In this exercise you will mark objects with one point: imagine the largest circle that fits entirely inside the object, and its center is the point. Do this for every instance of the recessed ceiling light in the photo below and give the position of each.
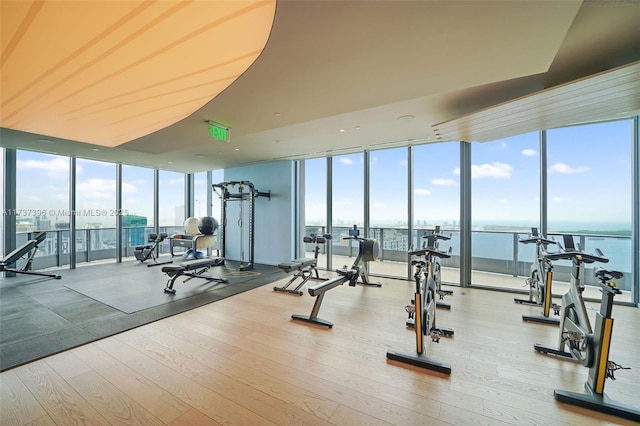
(169, 162)
(341, 130)
(407, 118)
(237, 149)
(357, 127)
(199, 156)
(95, 150)
(277, 114)
(44, 141)
(278, 141)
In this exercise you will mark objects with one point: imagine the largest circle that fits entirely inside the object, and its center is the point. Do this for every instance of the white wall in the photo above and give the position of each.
(273, 226)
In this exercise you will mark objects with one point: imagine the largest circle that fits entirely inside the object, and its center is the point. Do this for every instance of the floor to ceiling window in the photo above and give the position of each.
(347, 206)
(96, 210)
(388, 177)
(589, 193)
(2, 194)
(171, 202)
(436, 198)
(505, 204)
(315, 205)
(42, 204)
(137, 204)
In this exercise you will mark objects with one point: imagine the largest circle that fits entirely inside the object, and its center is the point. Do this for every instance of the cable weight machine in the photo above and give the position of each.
(245, 192)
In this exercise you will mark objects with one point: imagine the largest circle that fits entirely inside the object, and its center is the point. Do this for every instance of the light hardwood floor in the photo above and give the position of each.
(243, 361)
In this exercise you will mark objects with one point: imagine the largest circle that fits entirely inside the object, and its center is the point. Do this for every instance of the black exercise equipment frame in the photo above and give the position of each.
(30, 248)
(591, 349)
(143, 253)
(540, 281)
(423, 312)
(190, 271)
(306, 266)
(250, 196)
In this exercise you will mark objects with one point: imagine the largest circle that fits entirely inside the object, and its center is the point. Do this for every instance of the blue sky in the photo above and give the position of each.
(589, 181)
(585, 164)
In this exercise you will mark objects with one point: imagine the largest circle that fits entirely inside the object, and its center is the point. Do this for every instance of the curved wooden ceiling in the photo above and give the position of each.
(111, 65)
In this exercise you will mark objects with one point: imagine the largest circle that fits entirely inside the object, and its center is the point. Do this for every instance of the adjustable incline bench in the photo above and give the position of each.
(147, 251)
(305, 266)
(192, 270)
(18, 253)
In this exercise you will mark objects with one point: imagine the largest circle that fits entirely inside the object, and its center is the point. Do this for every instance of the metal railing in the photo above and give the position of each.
(498, 252)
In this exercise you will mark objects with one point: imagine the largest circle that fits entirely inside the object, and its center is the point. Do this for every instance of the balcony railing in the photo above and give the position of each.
(495, 252)
(94, 244)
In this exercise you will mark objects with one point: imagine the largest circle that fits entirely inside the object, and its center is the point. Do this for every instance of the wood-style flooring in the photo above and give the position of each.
(243, 361)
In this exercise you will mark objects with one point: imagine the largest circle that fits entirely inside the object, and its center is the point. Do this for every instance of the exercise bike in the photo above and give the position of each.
(587, 346)
(422, 311)
(539, 281)
(434, 268)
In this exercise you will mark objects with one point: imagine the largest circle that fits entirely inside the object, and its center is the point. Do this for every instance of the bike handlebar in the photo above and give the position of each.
(430, 252)
(537, 240)
(577, 255)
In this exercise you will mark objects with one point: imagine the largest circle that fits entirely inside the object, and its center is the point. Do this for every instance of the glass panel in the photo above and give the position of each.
(589, 194)
(2, 194)
(347, 187)
(505, 206)
(96, 215)
(42, 204)
(315, 205)
(137, 202)
(171, 202)
(200, 191)
(388, 210)
(436, 195)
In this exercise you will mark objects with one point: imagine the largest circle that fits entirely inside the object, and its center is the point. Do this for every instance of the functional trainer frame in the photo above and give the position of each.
(250, 195)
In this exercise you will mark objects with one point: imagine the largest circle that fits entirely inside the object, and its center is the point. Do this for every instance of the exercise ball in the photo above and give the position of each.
(191, 226)
(207, 225)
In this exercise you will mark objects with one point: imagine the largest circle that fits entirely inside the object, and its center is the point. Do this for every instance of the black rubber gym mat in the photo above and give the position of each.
(41, 316)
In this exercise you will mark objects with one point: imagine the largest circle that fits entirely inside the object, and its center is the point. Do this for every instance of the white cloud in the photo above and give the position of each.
(494, 170)
(561, 199)
(55, 167)
(346, 161)
(129, 188)
(379, 205)
(96, 188)
(443, 182)
(420, 191)
(563, 168)
(529, 152)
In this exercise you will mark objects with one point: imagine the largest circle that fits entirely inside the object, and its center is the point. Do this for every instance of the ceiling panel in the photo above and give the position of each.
(602, 96)
(106, 72)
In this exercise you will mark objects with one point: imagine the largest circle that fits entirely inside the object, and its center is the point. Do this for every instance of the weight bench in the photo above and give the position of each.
(305, 266)
(318, 292)
(20, 252)
(147, 251)
(191, 270)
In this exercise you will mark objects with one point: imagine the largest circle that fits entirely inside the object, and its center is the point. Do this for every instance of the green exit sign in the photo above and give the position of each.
(219, 132)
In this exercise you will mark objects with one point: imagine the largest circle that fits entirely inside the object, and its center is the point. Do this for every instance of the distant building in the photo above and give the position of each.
(136, 226)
